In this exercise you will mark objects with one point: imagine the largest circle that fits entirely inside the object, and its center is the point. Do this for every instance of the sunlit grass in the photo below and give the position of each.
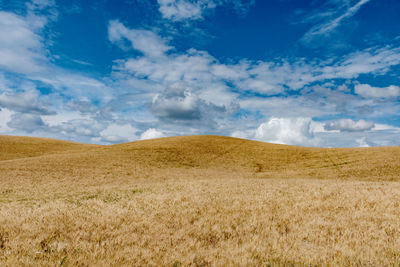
(198, 201)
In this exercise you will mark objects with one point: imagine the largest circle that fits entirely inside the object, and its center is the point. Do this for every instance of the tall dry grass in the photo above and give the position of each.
(198, 201)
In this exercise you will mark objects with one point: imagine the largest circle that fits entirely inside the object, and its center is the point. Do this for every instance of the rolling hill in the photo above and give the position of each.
(225, 154)
(199, 201)
(14, 147)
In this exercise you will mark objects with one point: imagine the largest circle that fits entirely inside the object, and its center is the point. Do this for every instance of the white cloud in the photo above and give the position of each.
(354, 139)
(83, 106)
(201, 71)
(371, 60)
(384, 127)
(21, 49)
(178, 104)
(180, 10)
(75, 127)
(144, 41)
(244, 134)
(190, 67)
(307, 132)
(348, 125)
(40, 4)
(115, 133)
(331, 24)
(5, 117)
(207, 94)
(289, 131)
(367, 90)
(273, 106)
(74, 85)
(192, 92)
(25, 102)
(362, 142)
(293, 131)
(63, 117)
(25, 122)
(151, 134)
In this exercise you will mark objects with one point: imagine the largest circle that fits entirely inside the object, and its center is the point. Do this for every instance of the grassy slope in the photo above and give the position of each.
(14, 147)
(268, 160)
(207, 152)
(197, 200)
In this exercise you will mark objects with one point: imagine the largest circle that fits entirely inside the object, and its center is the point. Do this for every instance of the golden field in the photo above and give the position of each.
(197, 201)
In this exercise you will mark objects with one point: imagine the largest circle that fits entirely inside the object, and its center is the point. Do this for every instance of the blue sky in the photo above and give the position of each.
(312, 73)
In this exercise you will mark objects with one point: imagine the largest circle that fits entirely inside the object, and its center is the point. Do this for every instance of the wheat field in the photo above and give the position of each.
(197, 201)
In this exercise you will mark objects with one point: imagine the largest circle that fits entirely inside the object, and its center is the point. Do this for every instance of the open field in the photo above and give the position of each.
(199, 201)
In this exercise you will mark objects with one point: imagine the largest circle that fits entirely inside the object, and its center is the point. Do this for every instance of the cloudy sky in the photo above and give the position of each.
(313, 73)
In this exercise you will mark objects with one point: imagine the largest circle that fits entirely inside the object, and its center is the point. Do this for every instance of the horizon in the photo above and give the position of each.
(194, 135)
(322, 73)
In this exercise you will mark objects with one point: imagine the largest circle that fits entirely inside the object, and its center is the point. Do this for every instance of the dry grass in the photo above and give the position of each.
(12, 147)
(199, 200)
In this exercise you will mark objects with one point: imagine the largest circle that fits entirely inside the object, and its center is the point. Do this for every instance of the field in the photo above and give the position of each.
(197, 201)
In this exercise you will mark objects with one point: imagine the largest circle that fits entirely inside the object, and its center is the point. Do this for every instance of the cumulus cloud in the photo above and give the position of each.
(362, 142)
(191, 66)
(178, 104)
(367, 90)
(348, 125)
(307, 132)
(190, 92)
(115, 133)
(5, 117)
(25, 102)
(144, 41)
(75, 126)
(201, 70)
(293, 131)
(289, 131)
(263, 77)
(151, 134)
(207, 88)
(27, 123)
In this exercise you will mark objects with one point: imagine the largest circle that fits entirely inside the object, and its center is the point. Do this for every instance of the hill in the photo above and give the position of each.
(218, 153)
(197, 201)
(267, 160)
(14, 147)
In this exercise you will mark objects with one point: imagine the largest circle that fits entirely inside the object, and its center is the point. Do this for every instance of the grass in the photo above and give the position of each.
(197, 201)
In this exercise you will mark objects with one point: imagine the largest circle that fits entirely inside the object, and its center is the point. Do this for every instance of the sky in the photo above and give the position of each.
(322, 73)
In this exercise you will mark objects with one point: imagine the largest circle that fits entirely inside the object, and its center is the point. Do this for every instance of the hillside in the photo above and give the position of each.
(197, 201)
(225, 154)
(14, 147)
(267, 160)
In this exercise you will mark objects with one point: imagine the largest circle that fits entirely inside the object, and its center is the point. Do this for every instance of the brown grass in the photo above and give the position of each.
(197, 200)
